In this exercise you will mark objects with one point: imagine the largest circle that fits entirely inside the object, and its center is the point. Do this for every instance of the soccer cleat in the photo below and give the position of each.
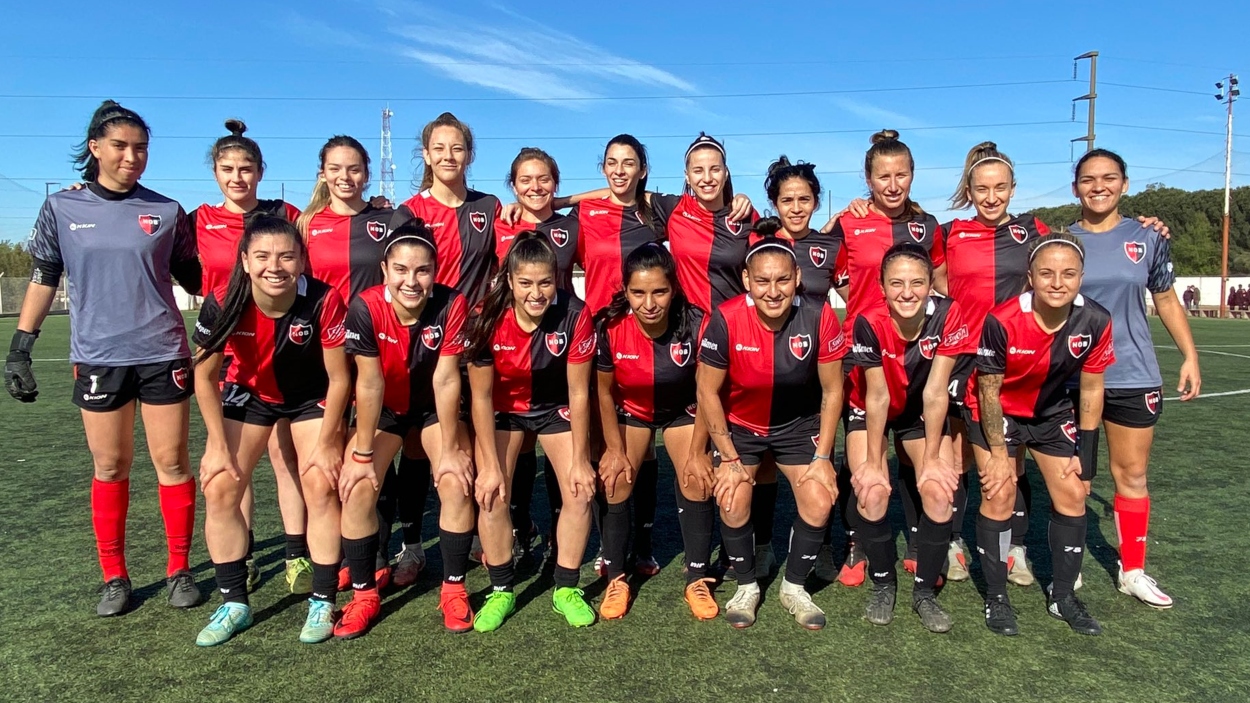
(957, 561)
(114, 598)
(453, 601)
(498, 606)
(853, 569)
(182, 591)
(909, 557)
(647, 566)
(1079, 582)
(601, 569)
(1071, 610)
(228, 620)
(299, 577)
(880, 608)
(523, 545)
(740, 610)
(345, 579)
(359, 615)
(408, 565)
(798, 602)
(253, 575)
(699, 598)
(615, 599)
(825, 569)
(319, 625)
(1145, 589)
(571, 603)
(475, 550)
(931, 615)
(1000, 617)
(765, 560)
(382, 572)
(1019, 571)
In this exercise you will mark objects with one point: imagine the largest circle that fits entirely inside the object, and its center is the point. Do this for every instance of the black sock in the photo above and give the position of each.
(296, 546)
(251, 543)
(646, 498)
(454, 546)
(696, 518)
(740, 545)
(360, 561)
(1067, 548)
(960, 507)
(387, 506)
(804, 543)
(565, 577)
(413, 481)
(615, 536)
(502, 578)
(932, 539)
(554, 501)
(522, 495)
(325, 582)
(877, 540)
(912, 501)
(763, 511)
(993, 541)
(232, 580)
(1020, 513)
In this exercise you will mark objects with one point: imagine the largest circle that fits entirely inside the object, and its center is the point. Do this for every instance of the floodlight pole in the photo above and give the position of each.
(1228, 94)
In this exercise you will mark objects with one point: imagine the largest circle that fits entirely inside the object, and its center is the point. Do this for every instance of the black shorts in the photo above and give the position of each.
(957, 388)
(1130, 407)
(401, 425)
(105, 388)
(1052, 436)
(905, 427)
(241, 405)
(684, 418)
(793, 445)
(550, 422)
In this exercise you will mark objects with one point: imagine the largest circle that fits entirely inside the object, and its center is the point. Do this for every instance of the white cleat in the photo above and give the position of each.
(1145, 589)
(1019, 571)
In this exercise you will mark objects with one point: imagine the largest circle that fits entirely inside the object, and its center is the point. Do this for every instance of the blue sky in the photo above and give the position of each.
(811, 80)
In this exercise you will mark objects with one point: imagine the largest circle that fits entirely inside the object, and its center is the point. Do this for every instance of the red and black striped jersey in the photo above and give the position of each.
(1035, 365)
(653, 379)
(280, 360)
(346, 250)
(531, 368)
(771, 380)
(408, 353)
(561, 230)
(987, 266)
(710, 249)
(464, 237)
(864, 242)
(876, 343)
(607, 234)
(217, 233)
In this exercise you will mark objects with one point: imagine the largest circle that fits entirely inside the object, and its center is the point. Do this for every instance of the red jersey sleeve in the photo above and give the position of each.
(832, 340)
(714, 344)
(292, 213)
(1041, 226)
(333, 317)
(937, 252)
(361, 339)
(865, 346)
(1102, 355)
(457, 313)
(992, 350)
(583, 349)
(956, 339)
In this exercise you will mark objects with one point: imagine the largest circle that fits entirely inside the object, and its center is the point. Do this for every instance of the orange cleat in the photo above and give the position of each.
(699, 598)
(615, 600)
(359, 615)
(453, 600)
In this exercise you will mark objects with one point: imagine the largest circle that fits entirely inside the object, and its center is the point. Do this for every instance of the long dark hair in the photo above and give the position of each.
(239, 291)
(444, 120)
(651, 255)
(109, 114)
(782, 170)
(236, 141)
(531, 153)
(645, 213)
(529, 247)
(412, 233)
(1099, 153)
(907, 250)
(320, 198)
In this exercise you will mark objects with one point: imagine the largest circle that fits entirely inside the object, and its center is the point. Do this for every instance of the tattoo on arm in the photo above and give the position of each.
(988, 388)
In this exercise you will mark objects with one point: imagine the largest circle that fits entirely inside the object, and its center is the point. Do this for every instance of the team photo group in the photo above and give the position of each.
(375, 350)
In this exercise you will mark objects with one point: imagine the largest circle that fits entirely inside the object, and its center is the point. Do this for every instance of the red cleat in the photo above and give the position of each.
(453, 600)
(854, 568)
(359, 615)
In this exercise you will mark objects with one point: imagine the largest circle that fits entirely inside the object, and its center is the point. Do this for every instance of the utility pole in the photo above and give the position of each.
(47, 187)
(1091, 97)
(1227, 95)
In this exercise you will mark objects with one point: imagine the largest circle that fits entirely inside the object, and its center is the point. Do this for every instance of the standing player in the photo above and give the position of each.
(1030, 347)
(284, 333)
(770, 383)
(121, 246)
(531, 346)
(1125, 261)
(406, 337)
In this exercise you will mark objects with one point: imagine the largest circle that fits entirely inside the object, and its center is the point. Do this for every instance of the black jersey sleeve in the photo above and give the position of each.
(664, 205)
(992, 351)
(361, 339)
(1161, 277)
(603, 353)
(865, 347)
(45, 249)
(184, 261)
(714, 347)
(400, 216)
(210, 312)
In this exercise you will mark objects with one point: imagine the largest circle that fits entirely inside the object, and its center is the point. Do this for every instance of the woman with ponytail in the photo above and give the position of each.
(284, 332)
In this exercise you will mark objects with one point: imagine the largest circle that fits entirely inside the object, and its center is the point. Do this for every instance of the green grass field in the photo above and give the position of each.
(53, 647)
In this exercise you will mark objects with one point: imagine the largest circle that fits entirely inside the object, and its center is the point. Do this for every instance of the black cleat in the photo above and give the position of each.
(1000, 617)
(114, 598)
(931, 614)
(1071, 610)
(880, 608)
(182, 591)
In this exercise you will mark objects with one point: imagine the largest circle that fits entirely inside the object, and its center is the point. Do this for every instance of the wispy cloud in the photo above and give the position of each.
(868, 111)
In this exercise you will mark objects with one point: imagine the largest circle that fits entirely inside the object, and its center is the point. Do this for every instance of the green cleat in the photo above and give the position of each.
(498, 606)
(228, 620)
(319, 626)
(299, 576)
(571, 603)
(253, 575)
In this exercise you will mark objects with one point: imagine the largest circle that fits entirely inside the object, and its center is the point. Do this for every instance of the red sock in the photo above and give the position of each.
(109, 502)
(1132, 518)
(178, 510)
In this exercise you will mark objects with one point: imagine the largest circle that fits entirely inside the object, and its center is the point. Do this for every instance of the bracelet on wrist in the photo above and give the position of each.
(816, 457)
(729, 459)
(359, 459)
(357, 452)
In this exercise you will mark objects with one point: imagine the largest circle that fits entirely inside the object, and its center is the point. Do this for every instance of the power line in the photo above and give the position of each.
(1156, 88)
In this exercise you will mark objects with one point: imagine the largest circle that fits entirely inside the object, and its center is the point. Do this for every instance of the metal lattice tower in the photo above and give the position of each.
(387, 168)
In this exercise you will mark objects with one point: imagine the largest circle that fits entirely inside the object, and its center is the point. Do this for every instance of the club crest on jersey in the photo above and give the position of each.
(679, 352)
(1018, 233)
(556, 342)
(376, 230)
(1078, 344)
(917, 230)
(180, 379)
(431, 337)
(1069, 430)
(735, 228)
(299, 334)
(559, 237)
(1153, 398)
(1135, 251)
(149, 224)
(929, 345)
(800, 345)
(565, 414)
(816, 440)
(818, 255)
(478, 220)
(692, 409)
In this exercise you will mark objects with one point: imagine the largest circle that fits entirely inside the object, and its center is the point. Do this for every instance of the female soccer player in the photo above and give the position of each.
(530, 348)
(770, 383)
(1125, 261)
(284, 333)
(647, 343)
(121, 245)
(406, 336)
(1030, 347)
(901, 360)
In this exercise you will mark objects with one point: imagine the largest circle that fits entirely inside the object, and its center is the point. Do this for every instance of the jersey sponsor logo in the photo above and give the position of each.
(596, 213)
(1018, 233)
(862, 349)
(179, 376)
(819, 256)
(315, 232)
(376, 230)
(559, 237)
(1069, 430)
(1153, 398)
(73, 226)
(335, 334)
(1078, 344)
(956, 337)
(1020, 351)
(627, 357)
(211, 228)
(692, 409)
(837, 341)
(586, 346)
(929, 345)
(352, 336)
(432, 336)
(199, 326)
(478, 220)
(709, 344)
(679, 352)
(243, 333)
(744, 348)
(387, 338)
(689, 216)
(800, 345)
(299, 334)
(866, 230)
(503, 347)
(565, 414)
(735, 228)
(149, 224)
(1135, 251)
(917, 230)
(556, 342)
(969, 235)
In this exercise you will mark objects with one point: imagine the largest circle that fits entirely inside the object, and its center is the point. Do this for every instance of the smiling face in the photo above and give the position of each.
(409, 271)
(650, 294)
(623, 169)
(991, 189)
(122, 155)
(890, 182)
(795, 205)
(1099, 186)
(237, 175)
(346, 173)
(772, 279)
(1055, 275)
(534, 185)
(274, 263)
(907, 284)
(447, 155)
(706, 175)
(533, 288)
